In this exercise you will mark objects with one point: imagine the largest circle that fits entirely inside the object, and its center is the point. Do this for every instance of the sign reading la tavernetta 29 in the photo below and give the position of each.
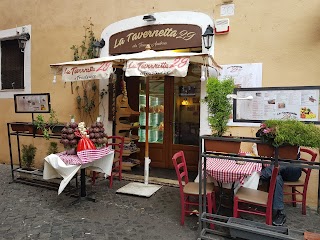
(159, 37)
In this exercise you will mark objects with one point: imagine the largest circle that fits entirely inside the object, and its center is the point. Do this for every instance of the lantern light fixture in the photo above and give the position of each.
(96, 47)
(207, 37)
(149, 18)
(22, 40)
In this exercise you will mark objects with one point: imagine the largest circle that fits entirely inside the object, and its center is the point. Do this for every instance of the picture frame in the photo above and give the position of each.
(32, 103)
(196, 100)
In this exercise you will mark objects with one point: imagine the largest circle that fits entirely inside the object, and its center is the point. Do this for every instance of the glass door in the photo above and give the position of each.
(156, 111)
(186, 113)
(174, 119)
(185, 116)
(157, 152)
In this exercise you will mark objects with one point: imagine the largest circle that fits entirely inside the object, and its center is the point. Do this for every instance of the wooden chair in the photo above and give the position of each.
(301, 183)
(190, 189)
(257, 198)
(117, 143)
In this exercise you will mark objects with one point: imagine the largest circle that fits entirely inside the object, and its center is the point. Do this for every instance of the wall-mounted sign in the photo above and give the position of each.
(160, 37)
(72, 73)
(187, 91)
(171, 67)
(32, 103)
(300, 103)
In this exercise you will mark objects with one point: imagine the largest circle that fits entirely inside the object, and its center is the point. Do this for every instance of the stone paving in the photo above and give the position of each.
(28, 212)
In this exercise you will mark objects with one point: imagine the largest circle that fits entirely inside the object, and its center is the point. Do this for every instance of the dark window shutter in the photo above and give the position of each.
(12, 65)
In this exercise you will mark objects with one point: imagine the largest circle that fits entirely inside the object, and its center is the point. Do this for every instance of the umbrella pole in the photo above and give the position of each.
(146, 154)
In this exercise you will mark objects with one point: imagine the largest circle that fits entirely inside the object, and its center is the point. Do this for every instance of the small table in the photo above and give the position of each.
(58, 165)
(229, 171)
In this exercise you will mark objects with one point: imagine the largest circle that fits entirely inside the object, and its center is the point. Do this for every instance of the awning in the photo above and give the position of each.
(144, 63)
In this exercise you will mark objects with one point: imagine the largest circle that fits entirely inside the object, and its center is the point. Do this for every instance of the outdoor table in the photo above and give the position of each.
(226, 171)
(66, 166)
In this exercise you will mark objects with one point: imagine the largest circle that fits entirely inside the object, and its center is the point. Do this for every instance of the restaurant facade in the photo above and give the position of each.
(287, 45)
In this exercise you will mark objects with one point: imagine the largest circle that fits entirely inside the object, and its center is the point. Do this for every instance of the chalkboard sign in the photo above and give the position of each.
(300, 103)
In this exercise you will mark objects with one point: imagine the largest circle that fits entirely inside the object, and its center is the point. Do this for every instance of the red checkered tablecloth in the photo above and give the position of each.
(228, 171)
(85, 156)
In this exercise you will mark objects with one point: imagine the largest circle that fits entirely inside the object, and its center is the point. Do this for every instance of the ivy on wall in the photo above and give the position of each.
(85, 50)
(87, 99)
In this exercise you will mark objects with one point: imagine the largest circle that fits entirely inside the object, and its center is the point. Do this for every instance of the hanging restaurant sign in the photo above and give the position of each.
(171, 67)
(159, 37)
(72, 73)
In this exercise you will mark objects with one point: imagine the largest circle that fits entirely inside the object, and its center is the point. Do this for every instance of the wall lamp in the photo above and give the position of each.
(96, 47)
(22, 40)
(149, 18)
(208, 37)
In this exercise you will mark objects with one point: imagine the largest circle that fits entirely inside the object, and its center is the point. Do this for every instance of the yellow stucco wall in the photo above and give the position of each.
(283, 35)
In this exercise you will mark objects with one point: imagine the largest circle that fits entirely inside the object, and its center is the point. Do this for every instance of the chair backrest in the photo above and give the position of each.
(117, 144)
(179, 163)
(272, 186)
(313, 156)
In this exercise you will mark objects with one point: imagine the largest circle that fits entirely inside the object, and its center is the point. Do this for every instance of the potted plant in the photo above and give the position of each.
(287, 135)
(41, 126)
(54, 124)
(44, 127)
(219, 109)
(28, 154)
(53, 148)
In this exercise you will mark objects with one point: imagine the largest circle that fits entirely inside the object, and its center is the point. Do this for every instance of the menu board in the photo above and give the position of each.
(300, 103)
(32, 103)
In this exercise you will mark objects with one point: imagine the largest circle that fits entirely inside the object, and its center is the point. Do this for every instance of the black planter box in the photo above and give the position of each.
(57, 128)
(245, 229)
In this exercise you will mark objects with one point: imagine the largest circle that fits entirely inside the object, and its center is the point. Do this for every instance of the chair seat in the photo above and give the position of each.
(252, 195)
(299, 182)
(193, 188)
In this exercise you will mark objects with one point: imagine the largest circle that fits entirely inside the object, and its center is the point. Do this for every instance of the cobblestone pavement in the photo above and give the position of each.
(28, 212)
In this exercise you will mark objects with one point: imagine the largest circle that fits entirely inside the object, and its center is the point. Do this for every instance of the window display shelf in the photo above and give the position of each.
(156, 118)
(125, 126)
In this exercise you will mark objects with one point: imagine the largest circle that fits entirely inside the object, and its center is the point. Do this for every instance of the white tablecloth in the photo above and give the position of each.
(54, 167)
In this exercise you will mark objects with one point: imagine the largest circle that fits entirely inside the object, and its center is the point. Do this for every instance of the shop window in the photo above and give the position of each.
(15, 67)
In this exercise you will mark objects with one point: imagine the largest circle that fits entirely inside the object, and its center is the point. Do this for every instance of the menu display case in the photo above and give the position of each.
(156, 118)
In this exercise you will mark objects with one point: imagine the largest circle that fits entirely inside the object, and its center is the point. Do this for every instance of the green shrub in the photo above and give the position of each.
(292, 132)
(28, 154)
(219, 106)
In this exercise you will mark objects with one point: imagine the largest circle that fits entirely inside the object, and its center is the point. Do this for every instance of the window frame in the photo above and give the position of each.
(11, 34)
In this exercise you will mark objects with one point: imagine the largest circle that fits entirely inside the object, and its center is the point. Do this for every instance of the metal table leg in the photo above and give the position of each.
(83, 192)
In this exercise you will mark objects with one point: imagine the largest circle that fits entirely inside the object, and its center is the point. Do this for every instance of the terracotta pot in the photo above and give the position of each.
(265, 150)
(288, 152)
(222, 146)
(285, 152)
(20, 126)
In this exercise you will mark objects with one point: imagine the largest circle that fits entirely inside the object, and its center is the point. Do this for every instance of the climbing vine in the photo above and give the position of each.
(87, 99)
(85, 49)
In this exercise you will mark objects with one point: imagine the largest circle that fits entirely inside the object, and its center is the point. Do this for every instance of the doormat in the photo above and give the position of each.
(139, 189)
(153, 180)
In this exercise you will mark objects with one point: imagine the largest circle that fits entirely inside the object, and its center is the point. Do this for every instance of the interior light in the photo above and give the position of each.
(185, 102)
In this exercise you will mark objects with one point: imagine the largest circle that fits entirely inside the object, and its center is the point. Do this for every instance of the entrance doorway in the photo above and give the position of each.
(174, 118)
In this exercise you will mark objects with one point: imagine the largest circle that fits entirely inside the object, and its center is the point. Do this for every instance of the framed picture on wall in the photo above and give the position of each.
(32, 103)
